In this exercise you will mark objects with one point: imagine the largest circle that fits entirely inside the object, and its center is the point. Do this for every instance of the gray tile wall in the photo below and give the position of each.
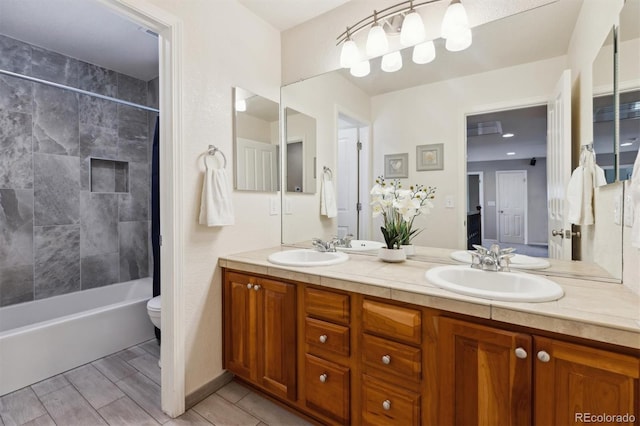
(56, 236)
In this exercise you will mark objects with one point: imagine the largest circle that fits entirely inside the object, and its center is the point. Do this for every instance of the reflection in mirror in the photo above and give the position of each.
(427, 104)
(603, 116)
(507, 180)
(255, 142)
(300, 155)
(629, 86)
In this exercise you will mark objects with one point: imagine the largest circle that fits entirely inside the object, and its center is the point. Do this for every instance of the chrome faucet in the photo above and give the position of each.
(323, 246)
(343, 242)
(492, 259)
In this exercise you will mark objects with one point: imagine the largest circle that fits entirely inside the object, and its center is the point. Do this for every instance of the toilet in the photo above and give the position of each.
(153, 309)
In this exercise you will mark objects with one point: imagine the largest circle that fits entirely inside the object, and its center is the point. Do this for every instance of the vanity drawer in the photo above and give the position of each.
(395, 322)
(327, 387)
(387, 357)
(327, 305)
(326, 336)
(384, 404)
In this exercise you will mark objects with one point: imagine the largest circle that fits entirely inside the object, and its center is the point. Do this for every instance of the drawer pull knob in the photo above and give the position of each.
(323, 377)
(249, 285)
(256, 287)
(544, 356)
(323, 338)
(386, 405)
(521, 353)
(386, 359)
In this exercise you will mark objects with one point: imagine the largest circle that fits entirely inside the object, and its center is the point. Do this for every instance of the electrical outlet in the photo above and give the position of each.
(448, 202)
(617, 213)
(288, 209)
(628, 211)
(274, 206)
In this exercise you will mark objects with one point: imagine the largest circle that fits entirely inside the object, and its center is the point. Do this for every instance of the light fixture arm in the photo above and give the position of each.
(396, 9)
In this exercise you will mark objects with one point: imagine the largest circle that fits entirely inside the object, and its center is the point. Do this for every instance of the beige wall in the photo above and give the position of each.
(211, 66)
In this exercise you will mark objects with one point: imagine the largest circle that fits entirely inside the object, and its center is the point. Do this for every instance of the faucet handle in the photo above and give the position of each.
(507, 251)
(480, 249)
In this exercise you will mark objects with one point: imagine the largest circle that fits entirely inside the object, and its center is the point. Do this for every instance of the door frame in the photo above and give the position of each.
(480, 175)
(525, 213)
(170, 42)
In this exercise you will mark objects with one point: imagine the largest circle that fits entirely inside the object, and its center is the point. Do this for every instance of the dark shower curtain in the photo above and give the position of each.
(155, 213)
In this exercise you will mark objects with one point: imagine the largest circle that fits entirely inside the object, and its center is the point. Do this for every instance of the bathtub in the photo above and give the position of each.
(46, 337)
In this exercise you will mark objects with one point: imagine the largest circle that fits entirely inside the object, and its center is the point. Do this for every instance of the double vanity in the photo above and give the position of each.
(361, 341)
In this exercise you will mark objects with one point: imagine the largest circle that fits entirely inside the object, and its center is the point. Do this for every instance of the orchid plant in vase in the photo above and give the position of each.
(398, 208)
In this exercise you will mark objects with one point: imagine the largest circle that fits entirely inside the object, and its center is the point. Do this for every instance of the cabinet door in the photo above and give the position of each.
(574, 381)
(485, 375)
(239, 324)
(276, 338)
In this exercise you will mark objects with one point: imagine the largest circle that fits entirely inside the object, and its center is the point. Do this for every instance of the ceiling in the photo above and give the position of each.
(85, 30)
(285, 14)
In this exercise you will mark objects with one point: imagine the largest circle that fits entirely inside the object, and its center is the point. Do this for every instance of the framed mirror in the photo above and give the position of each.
(427, 105)
(300, 153)
(256, 142)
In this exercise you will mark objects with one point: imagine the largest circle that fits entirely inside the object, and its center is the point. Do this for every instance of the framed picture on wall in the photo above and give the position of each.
(396, 166)
(430, 157)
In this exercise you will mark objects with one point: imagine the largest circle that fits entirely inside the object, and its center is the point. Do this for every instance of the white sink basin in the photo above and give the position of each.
(518, 261)
(362, 245)
(506, 286)
(307, 257)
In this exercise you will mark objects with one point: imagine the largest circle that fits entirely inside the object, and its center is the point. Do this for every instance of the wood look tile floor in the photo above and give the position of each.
(124, 389)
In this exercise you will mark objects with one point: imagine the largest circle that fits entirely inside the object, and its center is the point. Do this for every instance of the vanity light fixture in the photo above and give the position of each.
(508, 135)
(454, 29)
(377, 43)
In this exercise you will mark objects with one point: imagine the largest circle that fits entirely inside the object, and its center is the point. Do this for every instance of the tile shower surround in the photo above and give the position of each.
(56, 236)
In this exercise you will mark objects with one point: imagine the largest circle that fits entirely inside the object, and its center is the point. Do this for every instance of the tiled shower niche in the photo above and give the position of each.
(60, 230)
(109, 175)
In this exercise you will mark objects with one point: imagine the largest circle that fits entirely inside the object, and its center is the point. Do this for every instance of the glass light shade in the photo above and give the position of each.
(391, 62)
(349, 55)
(241, 105)
(412, 31)
(424, 53)
(454, 17)
(461, 41)
(361, 69)
(377, 43)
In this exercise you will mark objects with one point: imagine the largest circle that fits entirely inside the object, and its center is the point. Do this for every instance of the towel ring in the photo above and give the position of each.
(212, 152)
(327, 170)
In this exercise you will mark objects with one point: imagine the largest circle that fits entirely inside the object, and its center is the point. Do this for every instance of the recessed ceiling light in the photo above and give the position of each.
(626, 144)
(511, 153)
(508, 135)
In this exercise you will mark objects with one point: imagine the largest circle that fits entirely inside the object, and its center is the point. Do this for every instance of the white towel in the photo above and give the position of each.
(587, 176)
(328, 206)
(634, 189)
(216, 208)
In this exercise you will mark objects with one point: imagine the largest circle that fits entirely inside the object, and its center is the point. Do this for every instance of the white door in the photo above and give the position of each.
(512, 206)
(256, 165)
(348, 182)
(559, 166)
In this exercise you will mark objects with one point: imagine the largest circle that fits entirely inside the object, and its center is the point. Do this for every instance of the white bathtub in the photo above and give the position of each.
(46, 337)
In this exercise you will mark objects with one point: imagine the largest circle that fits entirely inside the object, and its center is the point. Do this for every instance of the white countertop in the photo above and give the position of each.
(601, 311)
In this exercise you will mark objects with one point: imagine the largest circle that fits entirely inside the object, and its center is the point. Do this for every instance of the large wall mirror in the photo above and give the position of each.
(256, 142)
(427, 105)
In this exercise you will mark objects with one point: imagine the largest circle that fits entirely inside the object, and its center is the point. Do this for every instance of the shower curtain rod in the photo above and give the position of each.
(73, 89)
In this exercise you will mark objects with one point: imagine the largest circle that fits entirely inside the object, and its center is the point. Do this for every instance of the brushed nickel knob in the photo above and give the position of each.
(323, 338)
(386, 359)
(249, 285)
(386, 405)
(521, 353)
(256, 287)
(323, 377)
(544, 356)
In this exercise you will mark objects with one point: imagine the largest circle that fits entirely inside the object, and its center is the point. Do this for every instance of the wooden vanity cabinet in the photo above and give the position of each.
(260, 332)
(493, 376)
